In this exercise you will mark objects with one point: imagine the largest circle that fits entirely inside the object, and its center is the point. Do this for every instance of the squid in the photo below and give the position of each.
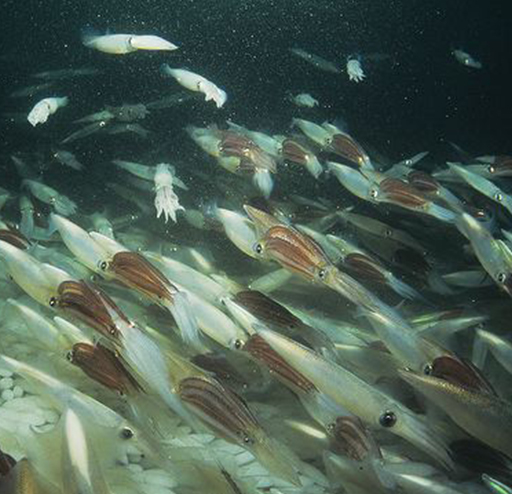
(354, 70)
(102, 224)
(372, 406)
(469, 401)
(483, 185)
(494, 255)
(305, 100)
(40, 281)
(62, 204)
(229, 417)
(112, 260)
(166, 200)
(46, 107)
(378, 188)
(366, 266)
(251, 158)
(318, 62)
(466, 59)
(206, 138)
(347, 147)
(269, 144)
(118, 434)
(198, 83)
(318, 134)
(164, 178)
(68, 159)
(294, 152)
(120, 44)
(27, 216)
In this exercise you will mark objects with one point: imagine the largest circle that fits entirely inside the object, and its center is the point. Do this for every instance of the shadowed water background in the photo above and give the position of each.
(416, 96)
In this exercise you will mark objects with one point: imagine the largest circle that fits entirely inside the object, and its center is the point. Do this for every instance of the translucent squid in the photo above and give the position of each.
(313, 131)
(305, 100)
(62, 204)
(466, 59)
(27, 216)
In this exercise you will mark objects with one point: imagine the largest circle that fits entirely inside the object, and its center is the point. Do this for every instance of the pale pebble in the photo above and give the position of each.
(7, 394)
(18, 391)
(6, 383)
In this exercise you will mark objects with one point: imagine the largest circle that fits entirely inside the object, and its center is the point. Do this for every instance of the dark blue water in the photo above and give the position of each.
(414, 99)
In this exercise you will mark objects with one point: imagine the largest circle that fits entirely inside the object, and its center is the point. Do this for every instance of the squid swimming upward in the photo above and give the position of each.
(164, 178)
(46, 107)
(354, 70)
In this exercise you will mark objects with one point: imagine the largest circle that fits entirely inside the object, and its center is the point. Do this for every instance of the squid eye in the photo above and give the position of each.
(126, 433)
(388, 233)
(502, 277)
(245, 438)
(387, 419)
(70, 356)
(491, 169)
(258, 248)
(322, 273)
(427, 370)
(103, 265)
(374, 193)
(498, 196)
(238, 344)
(52, 302)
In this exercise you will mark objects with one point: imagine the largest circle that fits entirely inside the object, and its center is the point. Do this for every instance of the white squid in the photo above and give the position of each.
(164, 178)
(198, 83)
(46, 107)
(120, 44)
(354, 70)
(166, 200)
(305, 100)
